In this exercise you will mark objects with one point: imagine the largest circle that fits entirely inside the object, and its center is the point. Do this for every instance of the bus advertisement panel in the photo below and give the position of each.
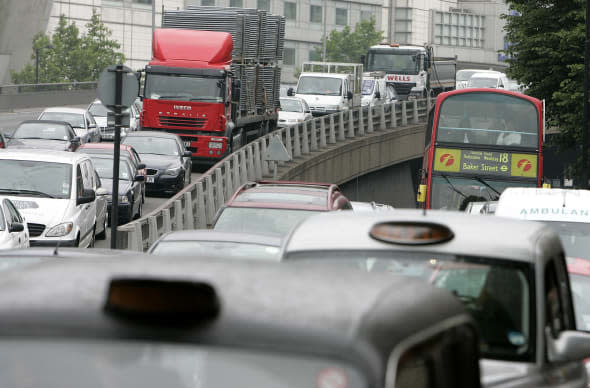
(478, 142)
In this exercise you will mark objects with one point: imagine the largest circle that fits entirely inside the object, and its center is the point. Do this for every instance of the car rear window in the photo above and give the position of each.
(253, 196)
(58, 363)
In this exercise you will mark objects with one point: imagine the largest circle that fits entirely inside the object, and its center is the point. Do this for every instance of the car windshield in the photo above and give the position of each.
(98, 109)
(402, 62)
(44, 131)
(291, 106)
(82, 363)
(217, 249)
(76, 120)
(152, 145)
(452, 193)
(104, 168)
(260, 220)
(495, 292)
(580, 286)
(53, 179)
(464, 75)
(488, 118)
(183, 87)
(368, 86)
(483, 82)
(575, 237)
(323, 86)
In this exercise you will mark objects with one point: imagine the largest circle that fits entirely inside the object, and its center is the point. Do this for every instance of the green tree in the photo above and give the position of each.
(67, 56)
(347, 45)
(547, 55)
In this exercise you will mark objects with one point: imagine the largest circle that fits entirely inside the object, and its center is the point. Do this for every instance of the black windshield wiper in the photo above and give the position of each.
(480, 180)
(24, 192)
(453, 187)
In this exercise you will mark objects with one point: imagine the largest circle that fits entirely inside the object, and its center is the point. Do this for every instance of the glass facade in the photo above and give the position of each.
(458, 29)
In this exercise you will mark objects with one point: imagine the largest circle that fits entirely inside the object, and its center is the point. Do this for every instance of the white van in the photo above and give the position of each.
(54, 191)
(488, 79)
(376, 91)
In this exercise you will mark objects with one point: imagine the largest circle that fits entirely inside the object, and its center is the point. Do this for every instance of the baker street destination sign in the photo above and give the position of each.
(485, 163)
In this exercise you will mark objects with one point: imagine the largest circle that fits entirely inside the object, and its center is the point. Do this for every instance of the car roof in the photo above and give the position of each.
(151, 134)
(214, 235)
(283, 195)
(474, 235)
(566, 205)
(292, 99)
(106, 146)
(45, 156)
(487, 74)
(53, 122)
(324, 75)
(283, 308)
(65, 110)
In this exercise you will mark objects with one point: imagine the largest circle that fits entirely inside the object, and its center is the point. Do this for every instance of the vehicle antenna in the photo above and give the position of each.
(564, 194)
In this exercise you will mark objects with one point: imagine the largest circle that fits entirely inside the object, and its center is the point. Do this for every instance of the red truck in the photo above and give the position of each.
(197, 87)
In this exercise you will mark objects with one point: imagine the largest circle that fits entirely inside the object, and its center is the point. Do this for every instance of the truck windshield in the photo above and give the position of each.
(323, 86)
(394, 62)
(483, 82)
(183, 87)
(496, 292)
(454, 193)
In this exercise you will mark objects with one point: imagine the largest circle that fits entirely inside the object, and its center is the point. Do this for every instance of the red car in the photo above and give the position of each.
(274, 207)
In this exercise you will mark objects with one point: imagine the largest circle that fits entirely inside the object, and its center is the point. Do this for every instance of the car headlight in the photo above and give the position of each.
(123, 199)
(173, 171)
(60, 230)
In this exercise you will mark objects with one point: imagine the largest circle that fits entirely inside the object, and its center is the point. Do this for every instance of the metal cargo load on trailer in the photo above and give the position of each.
(214, 78)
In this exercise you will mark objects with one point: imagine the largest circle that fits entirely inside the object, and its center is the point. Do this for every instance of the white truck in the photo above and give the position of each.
(413, 71)
(376, 91)
(329, 87)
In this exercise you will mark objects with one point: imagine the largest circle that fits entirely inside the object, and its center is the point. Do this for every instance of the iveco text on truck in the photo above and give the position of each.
(214, 78)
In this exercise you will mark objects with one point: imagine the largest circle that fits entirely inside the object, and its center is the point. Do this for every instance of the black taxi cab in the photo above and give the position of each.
(186, 322)
(511, 275)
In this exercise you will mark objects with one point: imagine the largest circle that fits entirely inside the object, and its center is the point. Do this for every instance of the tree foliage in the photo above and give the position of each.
(347, 45)
(68, 56)
(547, 55)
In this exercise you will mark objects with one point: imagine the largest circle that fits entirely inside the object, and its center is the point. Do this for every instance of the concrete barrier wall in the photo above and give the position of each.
(10, 102)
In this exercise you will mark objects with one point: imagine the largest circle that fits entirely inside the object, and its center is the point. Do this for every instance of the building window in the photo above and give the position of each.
(458, 29)
(403, 25)
(315, 13)
(263, 5)
(367, 15)
(341, 16)
(208, 3)
(290, 10)
(236, 3)
(289, 56)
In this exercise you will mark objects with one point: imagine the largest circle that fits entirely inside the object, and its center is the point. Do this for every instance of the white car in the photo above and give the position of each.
(54, 191)
(81, 121)
(13, 227)
(463, 76)
(293, 110)
(494, 80)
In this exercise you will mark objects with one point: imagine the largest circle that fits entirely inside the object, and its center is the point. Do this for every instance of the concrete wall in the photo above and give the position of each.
(394, 185)
(10, 102)
(20, 20)
(358, 157)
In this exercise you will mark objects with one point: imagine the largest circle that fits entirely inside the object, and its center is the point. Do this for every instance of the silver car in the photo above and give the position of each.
(82, 122)
(510, 274)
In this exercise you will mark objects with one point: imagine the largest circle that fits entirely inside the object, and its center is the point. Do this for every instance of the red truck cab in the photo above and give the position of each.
(188, 90)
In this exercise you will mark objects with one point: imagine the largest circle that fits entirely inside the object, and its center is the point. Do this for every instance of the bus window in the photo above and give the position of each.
(488, 119)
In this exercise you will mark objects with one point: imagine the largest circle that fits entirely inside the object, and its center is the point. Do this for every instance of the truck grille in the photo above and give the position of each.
(35, 230)
(173, 121)
(403, 88)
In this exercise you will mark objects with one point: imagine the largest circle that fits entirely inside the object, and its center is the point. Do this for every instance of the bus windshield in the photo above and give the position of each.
(488, 119)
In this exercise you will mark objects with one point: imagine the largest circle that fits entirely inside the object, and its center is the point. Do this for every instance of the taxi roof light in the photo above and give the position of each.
(411, 233)
(155, 299)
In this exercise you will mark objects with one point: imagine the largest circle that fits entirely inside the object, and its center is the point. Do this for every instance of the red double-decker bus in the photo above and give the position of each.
(478, 142)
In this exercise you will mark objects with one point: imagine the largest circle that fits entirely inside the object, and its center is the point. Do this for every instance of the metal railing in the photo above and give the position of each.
(51, 87)
(196, 205)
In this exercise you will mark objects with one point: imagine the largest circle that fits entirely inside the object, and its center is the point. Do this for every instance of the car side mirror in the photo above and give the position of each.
(571, 345)
(141, 166)
(16, 227)
(76, 139)
(101, 192)
(290, 92)
(139, 178)
(88, 195)
(349, 95)
(236, 87)
(378, 95)
(188, 154)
